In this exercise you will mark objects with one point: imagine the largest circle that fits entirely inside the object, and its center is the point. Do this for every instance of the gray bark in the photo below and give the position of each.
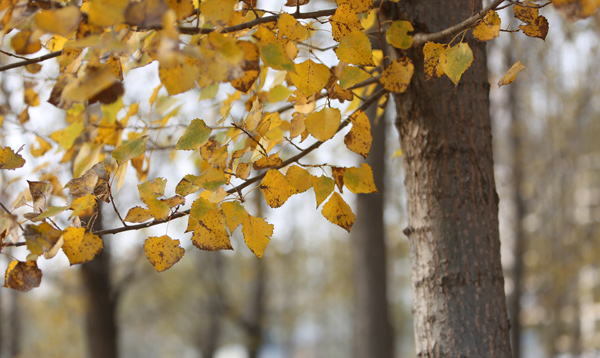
(459, 304)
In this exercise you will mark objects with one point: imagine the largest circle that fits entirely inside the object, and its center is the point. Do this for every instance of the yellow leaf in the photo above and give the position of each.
(397, 34)
(210, 233)
(58, 21)
(243, 170)
(257, 234)
(249, 69)
(163, 252)
(26, 42)
(235, 213)
(138, 215)
(300, 178)
(178, 74)
(44, 147)
(358, 6)
(274, 55)
(511, 74)
(359, 138)
(537, 28)
(149, 193)
(255, 115)
(217, 12)
(41, 239)
(344, 21)
(352, 75)
(290, 28)
(432, 52)
(323, 124)
(82, 204)
(456, 60)
(22, 276)
(276, 188)
(338, 177)
(81, 246)
(576, 9)
(488, 28)
(355, 49)
(396, 77)
(338, 212)
(360, 180)
(526, 14)
(183, 8)
(271, 161)
(94, 80)
(9, 159)
(129, 150)
(66, 137)
(323, 187)
(31, 97)
(107, 12)
(310, 77)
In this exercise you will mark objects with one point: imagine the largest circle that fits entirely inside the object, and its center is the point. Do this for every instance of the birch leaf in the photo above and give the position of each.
(337, 211)
(163, 252)
(257, 234)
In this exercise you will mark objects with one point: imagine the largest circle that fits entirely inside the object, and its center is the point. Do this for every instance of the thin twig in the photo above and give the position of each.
(31, 60)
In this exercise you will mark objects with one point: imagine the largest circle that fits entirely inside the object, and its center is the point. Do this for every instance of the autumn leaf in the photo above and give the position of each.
(149, 192)
(488, 28)
(217, 12)
(66, 137)
(107, 12)
(26, 42)
(290, 28)
(31, 98)
(310, 77)
(432, 52)
(538, 28)
(40, 191)
(511, 74)
(195, 136)
(396, 77)
(344, 22)
(59, 21)
(299, 178)
(163, 252)
(338, 177)
(81, 246)
(337, 211)
(358, 6)
(323, 125)
(323, 188)
(576, 9)
(129, 150)
(276, 188)
(526, 14)
(44, 147)
(178, 74)
(456, 60)
(210, 233)
(82, 204)
(257, 234)
(10, 160)
(352, 75)
(271, 161)
(249, 68)
(235, 213)
(138, 215)
(355, 49)
(274, 55)
(359, 138)
(41, 239)
(360, 180)
(22, 276)
(397, 35)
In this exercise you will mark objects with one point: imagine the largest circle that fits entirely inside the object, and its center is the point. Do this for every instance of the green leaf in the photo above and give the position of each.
(132, 149)
(195, 136)
(397, 34)
(456, 60)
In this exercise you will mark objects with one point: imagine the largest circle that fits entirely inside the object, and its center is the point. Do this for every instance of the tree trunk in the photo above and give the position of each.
(213, 327)
(373, 333)
(459, 305)
(101, 323)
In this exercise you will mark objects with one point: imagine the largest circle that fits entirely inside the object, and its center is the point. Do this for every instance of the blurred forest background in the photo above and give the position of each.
(302, 299)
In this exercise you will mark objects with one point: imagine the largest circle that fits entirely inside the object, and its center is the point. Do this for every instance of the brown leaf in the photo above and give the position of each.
(22, 276)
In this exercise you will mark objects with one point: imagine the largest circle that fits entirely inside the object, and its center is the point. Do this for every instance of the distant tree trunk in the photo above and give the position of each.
(254, 317)
(373, 332)
(514, 302)
(101, 323)
(459, 306)
(209, 340)
(15, 324)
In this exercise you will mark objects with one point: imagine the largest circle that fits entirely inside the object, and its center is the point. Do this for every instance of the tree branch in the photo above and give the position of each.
(30, 61)
(420, 38)
(366, 104)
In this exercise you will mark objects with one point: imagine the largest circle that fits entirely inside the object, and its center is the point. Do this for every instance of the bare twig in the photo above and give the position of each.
(31, 60)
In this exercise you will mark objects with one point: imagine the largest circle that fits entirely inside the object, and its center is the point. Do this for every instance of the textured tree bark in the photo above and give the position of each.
(373, 332)
(101, 323)
(459, 305)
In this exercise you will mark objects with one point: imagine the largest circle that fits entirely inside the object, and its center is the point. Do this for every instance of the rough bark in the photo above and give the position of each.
(101, 322)
(373, 332)
(459, 305)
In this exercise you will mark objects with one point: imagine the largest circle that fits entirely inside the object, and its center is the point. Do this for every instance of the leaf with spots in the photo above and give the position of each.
(163, 252)
(359, 138)
(210, 233)
(81, 246)
(310, 77)
(397, 35)
(22, 275)
(355, 49)
(276, 188)
(337, 211)
(396, 77)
